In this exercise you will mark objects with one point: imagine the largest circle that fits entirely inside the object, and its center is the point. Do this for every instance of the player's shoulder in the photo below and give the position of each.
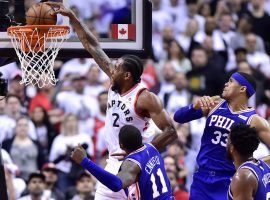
(148, 98)
(244, 176)
(259, 122)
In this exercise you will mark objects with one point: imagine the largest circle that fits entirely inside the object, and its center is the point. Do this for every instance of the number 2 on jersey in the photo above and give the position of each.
(115, 121)
(154, 185)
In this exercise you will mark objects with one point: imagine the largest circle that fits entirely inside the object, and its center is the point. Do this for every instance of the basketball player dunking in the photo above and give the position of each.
(129, 102)
(211, 181)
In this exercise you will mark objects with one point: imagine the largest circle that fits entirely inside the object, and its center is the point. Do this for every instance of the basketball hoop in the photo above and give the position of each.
(37, 47)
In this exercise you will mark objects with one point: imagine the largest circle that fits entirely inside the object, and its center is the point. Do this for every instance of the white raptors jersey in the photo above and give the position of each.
(121, 111)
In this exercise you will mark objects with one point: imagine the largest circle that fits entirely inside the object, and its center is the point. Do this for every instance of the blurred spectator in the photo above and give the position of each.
(214, 58)
(7, 124)
(180, 96)
(178, 58)
(222, 7)
(42, 98)
(204, 79)
(84, 187)
(62, 146)
(94, 85)
(190, 38)
(161, 42)
(8, 70)
(36, 187)
(75, 101)
(44, 129)
(260, 21)
(196, 130)
(16, 88)
(176, 8)
(15, 186)
(14, 111)
(192, 14)
(75, 65)
(223, 36)
(25, 152)
(50, 172)
(160, 18)
(178, 192)
(176, 151)
(204, 9)
(244, 26)
(149, 76)
(210, 25)
(167, 74)
(99, 122)
(257, 59)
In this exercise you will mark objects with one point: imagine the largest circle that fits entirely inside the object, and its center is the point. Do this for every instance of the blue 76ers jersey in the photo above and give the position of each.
(262, 172)
(212, 155)
(153, 181)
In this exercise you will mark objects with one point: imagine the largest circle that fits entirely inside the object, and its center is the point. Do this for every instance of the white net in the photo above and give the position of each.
(37, 48)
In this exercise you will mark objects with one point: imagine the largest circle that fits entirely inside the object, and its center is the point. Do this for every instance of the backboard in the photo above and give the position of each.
(111, 19)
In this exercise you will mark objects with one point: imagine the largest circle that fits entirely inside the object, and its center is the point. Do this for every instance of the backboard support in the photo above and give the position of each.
(141, 17)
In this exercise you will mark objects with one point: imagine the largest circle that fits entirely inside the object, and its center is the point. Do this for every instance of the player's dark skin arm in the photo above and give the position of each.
(129, 173)
(149, 105)
(263, 129)
(243, 185)
(88, 40)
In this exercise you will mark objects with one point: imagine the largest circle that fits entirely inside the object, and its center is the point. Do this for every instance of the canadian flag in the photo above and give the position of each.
(123, 31)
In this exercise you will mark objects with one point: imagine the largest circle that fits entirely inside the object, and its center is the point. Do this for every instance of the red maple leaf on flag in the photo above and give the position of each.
(122, 31)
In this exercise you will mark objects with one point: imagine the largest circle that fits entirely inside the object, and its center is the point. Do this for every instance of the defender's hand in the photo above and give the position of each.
(78, 154)
(206, 102)
(59, 8)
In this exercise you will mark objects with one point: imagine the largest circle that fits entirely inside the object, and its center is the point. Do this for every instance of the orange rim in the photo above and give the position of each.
(55, 30)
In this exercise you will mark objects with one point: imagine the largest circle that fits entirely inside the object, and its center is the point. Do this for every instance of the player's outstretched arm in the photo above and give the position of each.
(88, 40)
(201, 107)
(243, 185)
(149, 104)
(262, 126)
(126, 177)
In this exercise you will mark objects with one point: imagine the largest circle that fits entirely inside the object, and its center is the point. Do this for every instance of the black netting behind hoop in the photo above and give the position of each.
(37, 52)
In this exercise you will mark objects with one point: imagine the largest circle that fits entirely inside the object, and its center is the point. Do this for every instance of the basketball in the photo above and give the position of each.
(40, 14)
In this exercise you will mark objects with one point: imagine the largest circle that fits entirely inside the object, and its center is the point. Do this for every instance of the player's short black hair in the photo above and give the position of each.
(250, 79)
(130, 137)
(134, 65)
(244, 138)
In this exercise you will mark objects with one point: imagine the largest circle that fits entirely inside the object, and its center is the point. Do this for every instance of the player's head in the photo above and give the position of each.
(239, 84)
(242, 140)
(130, 138)
(128, 69)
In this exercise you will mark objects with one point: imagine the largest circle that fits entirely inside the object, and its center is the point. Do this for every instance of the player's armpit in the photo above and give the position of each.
(129, 173)
(151, 104)
(243, 185)
(263, 129)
